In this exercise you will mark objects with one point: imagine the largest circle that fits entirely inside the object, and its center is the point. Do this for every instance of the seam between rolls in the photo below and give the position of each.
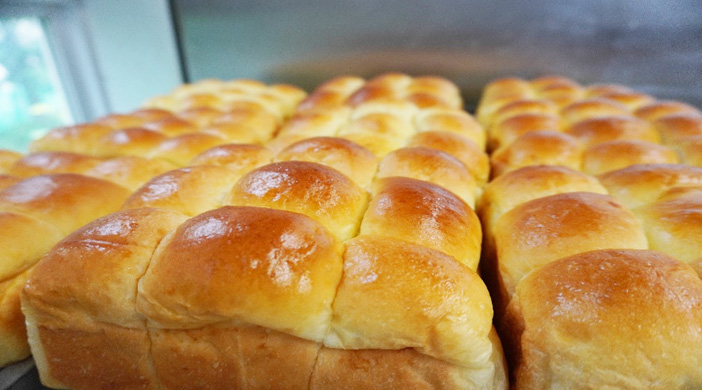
(149, 357)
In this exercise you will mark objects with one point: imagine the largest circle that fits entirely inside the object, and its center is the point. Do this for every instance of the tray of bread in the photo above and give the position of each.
(369, 234)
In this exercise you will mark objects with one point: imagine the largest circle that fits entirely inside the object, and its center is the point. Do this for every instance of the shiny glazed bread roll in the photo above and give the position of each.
(34, 215)
(191, 190)
(42, 163)
(239, 158)
(81, 138)
(7, 158)
(690, 150)
(607, 319)
(609, 128)
(433, 166)
(349, 158)
(676, 127)
(546, 229)
(420, 212)
(538, 148)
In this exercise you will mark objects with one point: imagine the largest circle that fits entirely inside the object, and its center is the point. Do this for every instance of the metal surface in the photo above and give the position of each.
(653, 46)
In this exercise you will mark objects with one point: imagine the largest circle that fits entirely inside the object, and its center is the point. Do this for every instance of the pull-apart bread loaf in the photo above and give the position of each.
(341, 252)
(595, 279)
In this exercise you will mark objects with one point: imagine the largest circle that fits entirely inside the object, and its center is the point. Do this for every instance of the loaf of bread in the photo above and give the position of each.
(595, 280)
(339, 249)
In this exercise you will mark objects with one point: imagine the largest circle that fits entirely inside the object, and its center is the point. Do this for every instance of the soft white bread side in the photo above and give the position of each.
(607, 319)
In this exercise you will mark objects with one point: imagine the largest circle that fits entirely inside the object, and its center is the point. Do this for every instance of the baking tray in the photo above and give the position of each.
(20, 376)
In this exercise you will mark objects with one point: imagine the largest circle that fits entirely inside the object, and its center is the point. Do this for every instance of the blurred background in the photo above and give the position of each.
(71, 61)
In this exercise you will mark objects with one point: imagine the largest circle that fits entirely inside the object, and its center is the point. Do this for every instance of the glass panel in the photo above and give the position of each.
(32, 100)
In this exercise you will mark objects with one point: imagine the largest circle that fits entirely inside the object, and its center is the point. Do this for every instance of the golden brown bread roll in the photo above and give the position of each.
(525, 106)
(581, 110)
(609, 128)
(538, 148)
(458, 146)
(546, 229)
(42, 163)
(171, 126)
(673, 225)
(8, 180)
(631, 99)
(503, 133)
(190, 190)
(384, 277)
(34, 215)
(499, 93)
(182, 149)
(349, 158)
(641, 184)
(613, 155)
(454, 121)
(322, 193)
(675, 127)
(133, 141)
(524, 184)
(433, 166)
(81, 302)
(420, 212)
(130, 172)
(661, 108)
(239, 158)
(81, 138)
(607, 319)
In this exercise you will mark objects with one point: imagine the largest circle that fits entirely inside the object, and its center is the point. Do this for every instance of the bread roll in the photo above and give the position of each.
(591, 108)
(526, 106)
(433, 166)
(607, 319)
(661, 108)
(182, 149)
(538, 148)
(239, 158)
(42, 163)
(80, 303)
(641, 184)
(322, 193)
(453, 121)
(458, 146)
(609, 128)
(675, 127)
(673, 225)
(613, 155)
(34, 215)
(546, 229)
(191, 190)
(82, 138)
(349, 158)
(130, 172)
(503, 133)
(425, 214)
(172, 126)
(133, 141)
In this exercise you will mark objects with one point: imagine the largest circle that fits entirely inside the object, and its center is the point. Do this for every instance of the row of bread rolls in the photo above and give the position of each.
(320, 259)
(593, 277)
(595, 129)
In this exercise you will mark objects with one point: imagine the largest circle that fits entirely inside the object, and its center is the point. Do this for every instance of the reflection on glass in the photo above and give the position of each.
(31, 98)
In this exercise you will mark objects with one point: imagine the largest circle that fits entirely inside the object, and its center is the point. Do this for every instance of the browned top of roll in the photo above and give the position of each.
(424, 214)
(546, 229)
(642, 184)
(320, 192)
(614, 318)
(66, 200)
(245, 265)
(42, 163)
(613, 155)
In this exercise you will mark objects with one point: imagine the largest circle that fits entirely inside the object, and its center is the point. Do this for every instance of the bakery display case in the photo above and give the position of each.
(370, 195)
